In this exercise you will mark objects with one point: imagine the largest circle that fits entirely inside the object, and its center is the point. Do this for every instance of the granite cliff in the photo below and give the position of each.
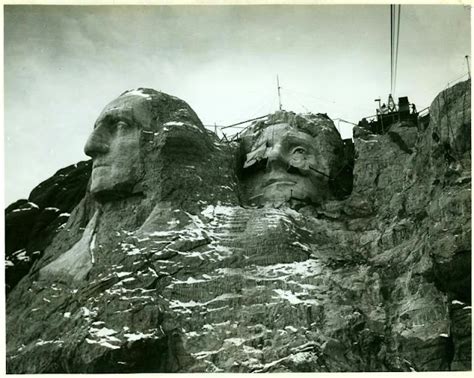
(278, 252)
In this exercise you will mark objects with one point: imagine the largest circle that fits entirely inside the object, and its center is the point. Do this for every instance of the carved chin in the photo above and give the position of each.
(283, 191)
(108, 188)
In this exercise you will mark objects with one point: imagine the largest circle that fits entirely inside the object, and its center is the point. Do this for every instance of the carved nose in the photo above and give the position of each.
(97, 144)
(276, 158)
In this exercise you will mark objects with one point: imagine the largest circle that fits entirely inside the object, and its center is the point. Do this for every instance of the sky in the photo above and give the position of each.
(63, 64)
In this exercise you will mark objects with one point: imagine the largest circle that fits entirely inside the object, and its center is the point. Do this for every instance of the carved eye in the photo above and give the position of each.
(299, 150)
(121, 125)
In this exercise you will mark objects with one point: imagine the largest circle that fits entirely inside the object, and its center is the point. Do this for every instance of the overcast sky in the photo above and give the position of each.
(63, 64)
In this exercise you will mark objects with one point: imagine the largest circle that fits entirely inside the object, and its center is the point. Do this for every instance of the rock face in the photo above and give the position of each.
(31, 224)
(187, 276)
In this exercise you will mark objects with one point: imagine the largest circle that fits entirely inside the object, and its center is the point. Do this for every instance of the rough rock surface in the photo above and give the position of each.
(378, 281)
(31, 224)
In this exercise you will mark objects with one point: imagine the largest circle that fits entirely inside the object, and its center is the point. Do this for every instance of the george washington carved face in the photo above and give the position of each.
(135, 140)
(114, 146)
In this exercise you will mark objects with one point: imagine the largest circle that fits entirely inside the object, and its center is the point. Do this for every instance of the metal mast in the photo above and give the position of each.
(279, 94)
(468, 66)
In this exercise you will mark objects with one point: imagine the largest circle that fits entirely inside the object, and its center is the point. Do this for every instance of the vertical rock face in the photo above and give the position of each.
(185, 275)
(419, 183)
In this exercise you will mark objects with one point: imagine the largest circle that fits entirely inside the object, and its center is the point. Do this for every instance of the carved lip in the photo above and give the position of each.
(281, 180)
(98, 165)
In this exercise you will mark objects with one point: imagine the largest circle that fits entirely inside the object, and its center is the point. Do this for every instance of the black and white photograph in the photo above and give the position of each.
(237, 188)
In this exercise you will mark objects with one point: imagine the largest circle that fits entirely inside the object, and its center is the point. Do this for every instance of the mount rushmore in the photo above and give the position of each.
(285, 249)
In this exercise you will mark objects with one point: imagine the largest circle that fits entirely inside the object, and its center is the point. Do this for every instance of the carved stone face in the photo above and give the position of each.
(285, 163)
(114, 146)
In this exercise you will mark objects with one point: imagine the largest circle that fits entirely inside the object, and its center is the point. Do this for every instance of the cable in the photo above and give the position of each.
(263, 108)
(394, 43)
(460, 77)
(396, 51)
(391, 47)
(308, 95)
(298, 101)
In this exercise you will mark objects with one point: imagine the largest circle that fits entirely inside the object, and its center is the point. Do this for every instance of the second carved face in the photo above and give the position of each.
(286, 163)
